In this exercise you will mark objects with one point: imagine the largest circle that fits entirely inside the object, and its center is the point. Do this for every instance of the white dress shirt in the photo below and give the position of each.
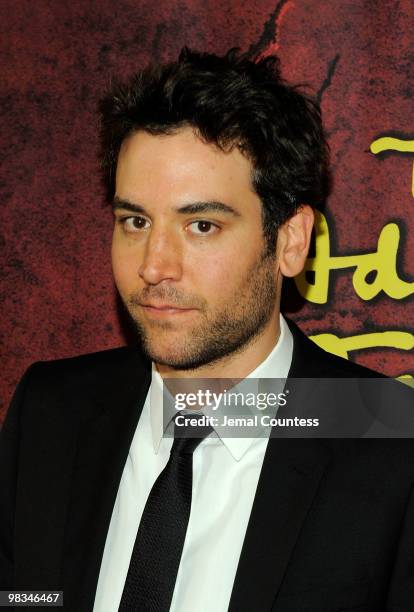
(225, 476)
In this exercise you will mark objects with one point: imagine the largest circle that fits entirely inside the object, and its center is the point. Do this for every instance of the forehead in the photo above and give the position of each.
(180, 166)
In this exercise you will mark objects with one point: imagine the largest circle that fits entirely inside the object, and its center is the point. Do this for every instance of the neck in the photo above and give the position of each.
(237, 365)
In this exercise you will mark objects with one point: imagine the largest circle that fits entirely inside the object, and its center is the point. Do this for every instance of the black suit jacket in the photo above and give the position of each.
(331, 528)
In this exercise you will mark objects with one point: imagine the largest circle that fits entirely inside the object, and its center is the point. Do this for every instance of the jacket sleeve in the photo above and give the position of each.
(9, 460)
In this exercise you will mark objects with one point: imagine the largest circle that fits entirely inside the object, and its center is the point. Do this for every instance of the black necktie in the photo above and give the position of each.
(155, 559)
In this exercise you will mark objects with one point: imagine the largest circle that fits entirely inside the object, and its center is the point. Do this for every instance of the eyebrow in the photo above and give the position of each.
(211, 206)
(126, 205)
(187, 209)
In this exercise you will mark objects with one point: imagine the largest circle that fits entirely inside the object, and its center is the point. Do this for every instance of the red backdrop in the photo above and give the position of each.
(57, 58)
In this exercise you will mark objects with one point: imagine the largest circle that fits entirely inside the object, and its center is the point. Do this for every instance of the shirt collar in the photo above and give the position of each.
(276, 365)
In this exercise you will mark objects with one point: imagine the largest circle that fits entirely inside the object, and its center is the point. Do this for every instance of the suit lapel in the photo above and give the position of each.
(291, 472)
(102, 449)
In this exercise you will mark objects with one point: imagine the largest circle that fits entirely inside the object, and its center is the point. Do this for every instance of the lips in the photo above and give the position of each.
(164, 307)
(163, 311)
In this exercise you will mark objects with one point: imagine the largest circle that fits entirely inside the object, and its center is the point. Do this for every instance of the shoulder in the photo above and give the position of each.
(76, 385)
(83, 367)
(310, 360)
(360, 404)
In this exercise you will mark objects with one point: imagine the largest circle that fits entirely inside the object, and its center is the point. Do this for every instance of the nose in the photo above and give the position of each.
(162, 258)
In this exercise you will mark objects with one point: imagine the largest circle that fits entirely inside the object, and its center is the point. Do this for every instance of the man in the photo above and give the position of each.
(215, 166)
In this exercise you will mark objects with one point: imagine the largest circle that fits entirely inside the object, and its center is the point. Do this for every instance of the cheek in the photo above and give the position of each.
(218, 276)
(124, 267)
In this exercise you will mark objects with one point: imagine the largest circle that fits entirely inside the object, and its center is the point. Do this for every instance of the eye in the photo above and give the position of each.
(203, 228)
(134, 224)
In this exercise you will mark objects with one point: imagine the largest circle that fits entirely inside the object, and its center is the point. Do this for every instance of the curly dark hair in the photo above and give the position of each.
(230, 100)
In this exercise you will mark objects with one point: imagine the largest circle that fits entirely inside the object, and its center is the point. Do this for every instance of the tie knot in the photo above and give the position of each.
(189, 432)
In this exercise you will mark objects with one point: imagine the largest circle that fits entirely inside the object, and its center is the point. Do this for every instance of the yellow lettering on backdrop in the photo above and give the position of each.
(380, 266)
(388, 143)
(342, 346)
(382, 263)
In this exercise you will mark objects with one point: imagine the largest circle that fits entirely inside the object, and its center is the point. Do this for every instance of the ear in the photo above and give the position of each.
(293, 241)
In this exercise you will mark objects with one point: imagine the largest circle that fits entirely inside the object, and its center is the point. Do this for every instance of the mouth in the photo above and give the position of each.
(163, 310)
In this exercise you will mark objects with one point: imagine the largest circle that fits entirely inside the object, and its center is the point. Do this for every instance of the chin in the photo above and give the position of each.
(165, 354)
(173, 357)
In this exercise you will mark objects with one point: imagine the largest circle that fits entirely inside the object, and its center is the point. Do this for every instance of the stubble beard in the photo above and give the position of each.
(222, 333)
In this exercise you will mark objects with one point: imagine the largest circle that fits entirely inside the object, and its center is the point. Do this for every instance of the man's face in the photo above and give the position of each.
(188, 249)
